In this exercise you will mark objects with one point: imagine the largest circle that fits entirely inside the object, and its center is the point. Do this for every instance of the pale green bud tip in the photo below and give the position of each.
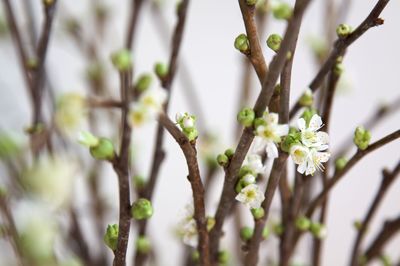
(142, 209)
(104, 150)
(88, 139)
(303, 223)
(32, 63)
(361, 138)
(274, 42)
(246, 233)
(340, 163)
(95, 71)
(143, 82)
(122, 60)
(318, 230)
(161, 70)
(229, 153)
(251, 2)
(357, 225)
(111, 236)
(258, 213)
(386, 260)
(307, 98)
(3, 191)
(343, 30)
(246, 117)
(222, 160)
(223, 257)
(282, 11)
(143, 245)
(242, 43)
(9, 145)
(338, 69)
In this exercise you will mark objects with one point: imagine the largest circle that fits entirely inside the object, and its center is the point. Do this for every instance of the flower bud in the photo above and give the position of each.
(361, 138)
(246, 233)
(251, 2)
(222, 160)
(95, 72)
(210, 223)
(282, 11)
(48, 3)
(242, 43)
(3, 192)
(308, 114)
(340, 163)
(318, 230)
(223, 257)
(246, 117)
(195, 256)
(258, 213)
(9, 145)
(274, 42)
(245, 170)
(265, 232)
(111, 236)
(307, 98)
(143, 82)
(104, 150)
(142, 209)
(357, 225)
(161, 70)
(249, 179)
(278, 229)
(88, 139)
(122, 60)
(290, 140)
(229, 153)
(343, 30)
(303, 223)
(191, 133)
(259, 121)
(338, 69)
(32, 63)
(143, 244)
(385, 260)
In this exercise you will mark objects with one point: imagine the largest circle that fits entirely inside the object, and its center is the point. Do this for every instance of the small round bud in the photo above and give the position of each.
(222, 160)
(251, 2)
(249, 179)
(246, 233)
(139, 182)
(223, 257)
(246, 117)
(361, 138)
(282, 11)
(195, 256)
(338, 69)
(357, 225)
(385, 260)
(142, 209)
(111, 236)
(245, 170)
(32, 63)
(229, 153)
(259, 121)
(278, 229)
(95, 72)
(143, 82)
(104, 150)
(303, 223)
(143, 245)
(191, 133)
(291, 139)
(122, 60)
(318, 230)
(258, 213)
(307, 99)
(265, 232)
(242, 43)
(343, 30)
(274, 42)
(161, 70)
(340, 163)
(48, 3)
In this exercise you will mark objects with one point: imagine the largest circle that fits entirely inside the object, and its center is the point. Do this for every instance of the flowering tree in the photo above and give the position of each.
(39, 214)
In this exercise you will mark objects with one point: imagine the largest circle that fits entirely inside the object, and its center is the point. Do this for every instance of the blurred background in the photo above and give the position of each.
(215, 70)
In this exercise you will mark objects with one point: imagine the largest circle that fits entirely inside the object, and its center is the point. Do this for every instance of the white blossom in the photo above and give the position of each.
(251, 196)
(310, 136)
(254, 162)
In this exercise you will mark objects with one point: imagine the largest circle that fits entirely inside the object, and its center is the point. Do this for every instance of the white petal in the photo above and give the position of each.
(301, 123)
(179, 116)
(315, 123)
(322, 137)
(249, 179)
(299, 153)
(260, 130)
(272, 150)
(282, 130)
(323, 156)
(302, 167)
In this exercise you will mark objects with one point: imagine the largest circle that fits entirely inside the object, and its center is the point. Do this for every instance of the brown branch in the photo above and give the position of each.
(99, 103)
(255, 55)
(387, 180)
(389, 230)
(189, 150)
(276, 66)
(340, 47)
(133, 19)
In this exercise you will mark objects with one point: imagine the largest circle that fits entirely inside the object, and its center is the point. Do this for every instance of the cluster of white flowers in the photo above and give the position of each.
(148, 106)
(310, 151)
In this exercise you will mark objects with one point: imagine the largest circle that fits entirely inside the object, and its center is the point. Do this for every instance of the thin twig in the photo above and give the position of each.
(133, 20)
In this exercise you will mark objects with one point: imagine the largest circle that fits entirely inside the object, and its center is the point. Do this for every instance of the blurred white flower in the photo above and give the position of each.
(71, 112)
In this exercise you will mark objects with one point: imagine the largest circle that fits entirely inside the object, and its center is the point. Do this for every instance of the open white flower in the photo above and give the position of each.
(154, 99)
(254, 163)
(310, 161)
(251, 196)
(271, 133)
(310, 136)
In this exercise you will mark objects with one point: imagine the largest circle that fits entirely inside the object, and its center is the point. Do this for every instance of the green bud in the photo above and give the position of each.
(340, 163)
(32, 63)
(104, 150)
(3, 191)
(139, 182)
(242, 43)
(95, 71)
(246, 117)
(222, 160)
(191, 133)
(229, 153)
(122, 60)
(246, 233)
(343, 30)
(385, 260)
(338, 69)
(142, 209)
(143, 245)
(282, 11)
(278, 229)
(308, 114)
(210, 223)
(195, 256)
(265, 232)
(357, 225)
(251, 2)
(161, 70)
(361, 138)
(111, 236)
(9, 145)
(223, 257)
(318, 230)
(307, 99)
(143, 82)
(274, 42)
(303, 223)
(259, 121)
(258, 213)
(291, 139)
(48, 3)
(244, 170)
